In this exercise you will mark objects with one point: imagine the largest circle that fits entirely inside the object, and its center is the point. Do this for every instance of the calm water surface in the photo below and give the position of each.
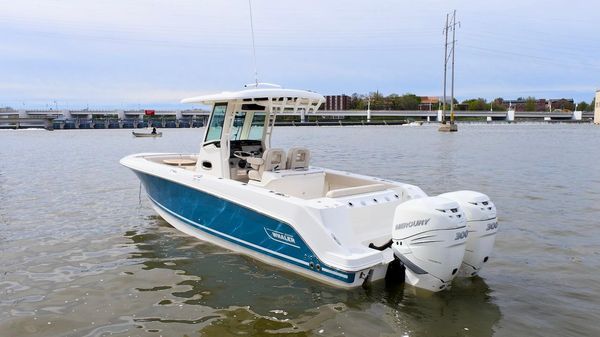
(82, 254)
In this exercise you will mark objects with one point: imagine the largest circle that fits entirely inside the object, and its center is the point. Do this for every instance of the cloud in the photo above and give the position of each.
(154, 51)
(106, 95)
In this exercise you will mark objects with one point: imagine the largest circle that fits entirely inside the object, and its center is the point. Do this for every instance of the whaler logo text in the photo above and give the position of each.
(414, 223)
(284, 237)
(288, 239)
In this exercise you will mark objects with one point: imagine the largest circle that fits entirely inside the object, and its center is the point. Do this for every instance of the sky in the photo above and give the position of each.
(73, 54)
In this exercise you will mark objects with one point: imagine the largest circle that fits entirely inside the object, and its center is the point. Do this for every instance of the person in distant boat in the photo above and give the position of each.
(153, 130)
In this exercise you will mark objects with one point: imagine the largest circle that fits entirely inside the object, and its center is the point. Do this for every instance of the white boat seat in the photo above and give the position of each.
(298, 158)
(255, 162)
(254, 175)
(344, 192)
(272, 160)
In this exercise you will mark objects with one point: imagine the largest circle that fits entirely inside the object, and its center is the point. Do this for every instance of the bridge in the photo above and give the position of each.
(436, 115)
(26, 122)
(102, 119)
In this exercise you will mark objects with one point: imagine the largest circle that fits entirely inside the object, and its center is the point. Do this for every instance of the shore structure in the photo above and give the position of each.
(124, 119)
(597, 108)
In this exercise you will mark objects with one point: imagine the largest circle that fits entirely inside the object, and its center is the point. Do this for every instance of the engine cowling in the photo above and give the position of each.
(429, 236)
(482, 223)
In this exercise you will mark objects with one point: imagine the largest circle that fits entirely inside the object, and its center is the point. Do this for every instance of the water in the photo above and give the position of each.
(83, 255)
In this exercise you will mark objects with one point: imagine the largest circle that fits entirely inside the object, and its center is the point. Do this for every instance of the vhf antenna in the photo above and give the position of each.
(253, 45)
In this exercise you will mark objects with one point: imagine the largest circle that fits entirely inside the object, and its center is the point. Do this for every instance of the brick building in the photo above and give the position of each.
(429, 103)
(336, 102)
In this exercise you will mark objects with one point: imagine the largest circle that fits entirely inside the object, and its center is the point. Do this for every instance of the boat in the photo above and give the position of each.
(146, 134)
(340, 228)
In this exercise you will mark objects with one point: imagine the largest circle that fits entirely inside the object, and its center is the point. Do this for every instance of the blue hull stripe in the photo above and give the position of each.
(228, 237)
(235, 223)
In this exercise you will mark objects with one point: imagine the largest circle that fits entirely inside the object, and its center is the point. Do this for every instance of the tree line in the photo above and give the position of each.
(411, 101)
(380, 102)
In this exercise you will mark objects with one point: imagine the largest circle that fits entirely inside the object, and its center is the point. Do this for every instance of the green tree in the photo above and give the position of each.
(496, 106)
(394, 102)
(357, 102)
(592, 105)
(530, 104)
(476, 104)
(582, 106)
(408, 101)
(377, 101)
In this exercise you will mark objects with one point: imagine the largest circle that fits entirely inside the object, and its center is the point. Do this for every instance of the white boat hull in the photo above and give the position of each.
(239, 227)
(333, 226)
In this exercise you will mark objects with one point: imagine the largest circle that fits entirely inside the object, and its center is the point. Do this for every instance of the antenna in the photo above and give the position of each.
(253, 45)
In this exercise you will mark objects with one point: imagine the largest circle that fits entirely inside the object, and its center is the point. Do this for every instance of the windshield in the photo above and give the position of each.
(248, 125)
(258, 124)
(215, 128)
(238, 125)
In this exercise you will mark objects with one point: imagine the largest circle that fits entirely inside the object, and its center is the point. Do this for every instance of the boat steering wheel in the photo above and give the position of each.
(243, 154)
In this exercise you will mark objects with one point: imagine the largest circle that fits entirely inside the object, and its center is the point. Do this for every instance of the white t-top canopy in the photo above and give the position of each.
(283, 98)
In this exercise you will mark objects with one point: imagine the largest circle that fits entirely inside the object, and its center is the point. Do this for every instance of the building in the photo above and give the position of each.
(429, 103)
(597, 108)
(336, 102)
(434, 103)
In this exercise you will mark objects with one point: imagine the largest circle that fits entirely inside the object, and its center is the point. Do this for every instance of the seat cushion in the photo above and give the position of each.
(298, 158)
(254, 175)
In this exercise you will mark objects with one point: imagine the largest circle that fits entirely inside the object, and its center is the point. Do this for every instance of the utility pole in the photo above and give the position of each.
(445, 71)
(450, 25)
(453, 52)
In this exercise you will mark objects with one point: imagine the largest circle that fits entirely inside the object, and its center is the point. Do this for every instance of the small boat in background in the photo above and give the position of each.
(146, 134)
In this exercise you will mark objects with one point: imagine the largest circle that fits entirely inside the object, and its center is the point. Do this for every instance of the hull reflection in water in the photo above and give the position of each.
(221, 283)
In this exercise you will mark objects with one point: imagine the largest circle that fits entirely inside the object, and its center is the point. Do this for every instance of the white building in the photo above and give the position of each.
(597, 108)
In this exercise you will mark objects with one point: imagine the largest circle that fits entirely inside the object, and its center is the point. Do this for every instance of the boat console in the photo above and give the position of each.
(240, 152)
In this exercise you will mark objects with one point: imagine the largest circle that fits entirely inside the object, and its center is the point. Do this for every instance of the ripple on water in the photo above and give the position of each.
(81, 255)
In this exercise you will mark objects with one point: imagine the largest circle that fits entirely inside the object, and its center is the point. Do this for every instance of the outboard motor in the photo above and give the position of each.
(483, 226)
(428, 237)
